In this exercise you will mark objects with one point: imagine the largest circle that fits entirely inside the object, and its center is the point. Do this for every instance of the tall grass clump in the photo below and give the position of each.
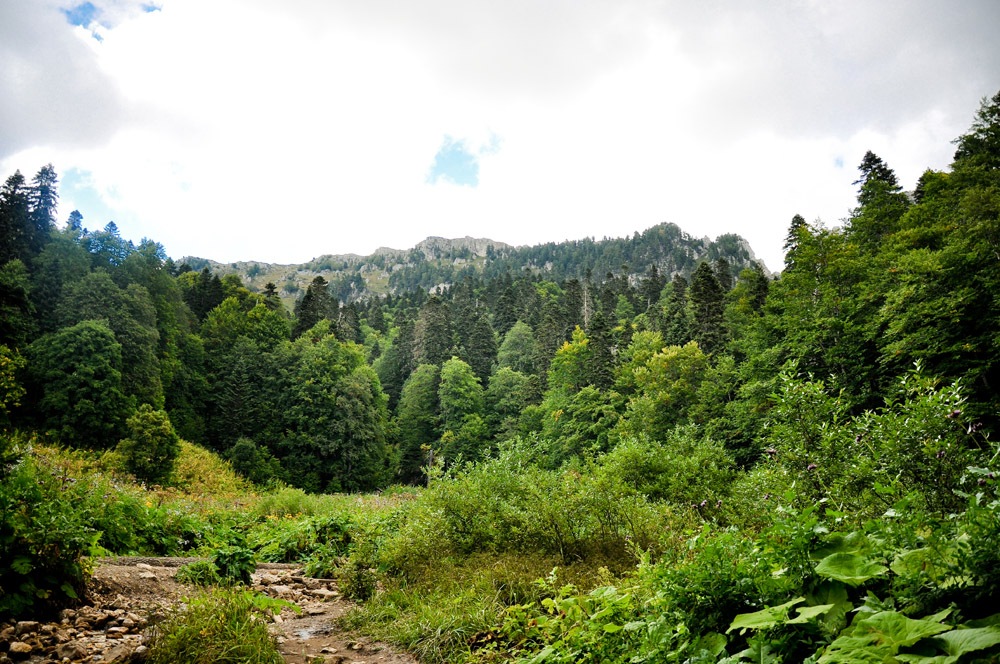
(220, 626)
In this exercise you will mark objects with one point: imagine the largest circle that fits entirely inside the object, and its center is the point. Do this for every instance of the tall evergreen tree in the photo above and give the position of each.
(980, 146)
(315, 305)
(432, 333)
(881, 204)
(707, 309)
(396, 363)
(651, 287)
(793, 238)
(677, 313)
(43, 198)
(14, 219)
(418, 421)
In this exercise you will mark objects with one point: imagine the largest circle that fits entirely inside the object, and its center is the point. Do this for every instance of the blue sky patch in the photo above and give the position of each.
(456, 163)
(77, 192)
(82, 15)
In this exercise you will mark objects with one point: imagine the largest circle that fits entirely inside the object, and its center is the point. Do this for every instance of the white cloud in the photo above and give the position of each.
(255, 130)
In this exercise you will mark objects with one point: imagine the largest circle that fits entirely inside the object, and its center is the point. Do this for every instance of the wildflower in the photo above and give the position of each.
(940, 454)
(953, 414)
(771, 452)
(812, 466)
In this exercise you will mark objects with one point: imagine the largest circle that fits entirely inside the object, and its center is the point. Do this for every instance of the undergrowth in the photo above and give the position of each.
(221, 625)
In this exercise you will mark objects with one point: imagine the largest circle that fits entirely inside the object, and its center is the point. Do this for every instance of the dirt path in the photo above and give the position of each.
(127, 595)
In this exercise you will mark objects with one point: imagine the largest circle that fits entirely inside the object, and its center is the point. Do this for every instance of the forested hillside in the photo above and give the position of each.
(656, 387)
(437, 263)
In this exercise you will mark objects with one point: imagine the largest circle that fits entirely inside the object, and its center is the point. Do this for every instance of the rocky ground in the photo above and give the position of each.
(127, 596)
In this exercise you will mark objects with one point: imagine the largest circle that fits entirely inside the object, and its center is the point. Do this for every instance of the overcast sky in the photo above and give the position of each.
(280, 130)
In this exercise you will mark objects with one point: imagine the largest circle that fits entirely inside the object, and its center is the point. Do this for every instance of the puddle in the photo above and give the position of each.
(309, 632)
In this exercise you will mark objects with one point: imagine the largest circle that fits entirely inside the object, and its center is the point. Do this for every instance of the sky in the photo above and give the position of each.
(281, 131)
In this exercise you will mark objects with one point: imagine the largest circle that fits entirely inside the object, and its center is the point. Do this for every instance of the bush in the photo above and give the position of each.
(151, 447)
(202, 472)
(199, 573)
(234, 564)
(43, 535)
(254, 462)
(685, 469)
(508, 504)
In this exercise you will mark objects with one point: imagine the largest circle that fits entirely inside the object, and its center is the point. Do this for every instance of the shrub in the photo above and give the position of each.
(685, 469)
(199, 573)
(202, 472)
(234, 564)
(43, 535)
(151, 447)
(254, 462)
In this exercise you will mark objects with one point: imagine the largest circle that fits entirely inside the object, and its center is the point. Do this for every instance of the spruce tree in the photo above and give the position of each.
(707, 309)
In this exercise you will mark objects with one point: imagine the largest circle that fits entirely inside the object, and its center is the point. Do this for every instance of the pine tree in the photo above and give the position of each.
(707, 309)
(315, 305)
(793, 238)
(677, 314)
(432, 333)
(14, 219)
(43, 198)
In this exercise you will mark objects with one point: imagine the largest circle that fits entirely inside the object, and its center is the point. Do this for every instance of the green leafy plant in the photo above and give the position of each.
(44, 536)
(199, 573)
(234, 564)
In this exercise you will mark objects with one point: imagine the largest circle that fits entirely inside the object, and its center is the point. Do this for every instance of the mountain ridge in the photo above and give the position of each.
(436, 262)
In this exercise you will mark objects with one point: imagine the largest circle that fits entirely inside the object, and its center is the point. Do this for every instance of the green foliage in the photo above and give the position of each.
(219, 626)
(461, 403)
(151, 447)
(302, 539)
(517, 351)
(873, 460)
(336, 420)
(77, 373)
(234, 564)
(16, 304)
(44, 536)
(254, 462)
(574, 626)
(131, 316)
(683, 469)
(11, 390)
(666, 387)
(199, 573)
(509, 504)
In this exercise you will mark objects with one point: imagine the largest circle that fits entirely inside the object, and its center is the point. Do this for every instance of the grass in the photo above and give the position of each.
(458, 603)
(225, 626)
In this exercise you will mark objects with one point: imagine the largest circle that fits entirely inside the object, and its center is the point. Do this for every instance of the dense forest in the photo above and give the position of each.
(832, 423)
(326, 396)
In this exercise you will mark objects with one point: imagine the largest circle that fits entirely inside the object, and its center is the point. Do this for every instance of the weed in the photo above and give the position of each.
(226, 626)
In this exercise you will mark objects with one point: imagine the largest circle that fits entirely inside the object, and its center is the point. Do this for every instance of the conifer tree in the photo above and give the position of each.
(432, 333)
(707, 309)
